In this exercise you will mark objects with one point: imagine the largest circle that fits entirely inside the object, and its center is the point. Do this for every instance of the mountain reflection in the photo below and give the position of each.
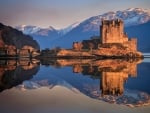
(14, 72)
(99, 79)
(113, 73)
(104, 79)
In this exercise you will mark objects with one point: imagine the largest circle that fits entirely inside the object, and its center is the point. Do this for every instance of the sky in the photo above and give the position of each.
(60, 13)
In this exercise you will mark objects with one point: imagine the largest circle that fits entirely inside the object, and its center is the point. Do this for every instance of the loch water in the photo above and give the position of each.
(75, 86)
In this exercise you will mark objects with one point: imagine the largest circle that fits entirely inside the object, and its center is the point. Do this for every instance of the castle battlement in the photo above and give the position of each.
(116, 22)
(112, 31)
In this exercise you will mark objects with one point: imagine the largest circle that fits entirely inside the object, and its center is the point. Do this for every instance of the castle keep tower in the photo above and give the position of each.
(112, 31)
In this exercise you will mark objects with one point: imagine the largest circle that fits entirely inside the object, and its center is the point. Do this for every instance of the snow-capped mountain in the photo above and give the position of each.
(90, 27)
(69, 28)
(34, 30)
(134, 16)
(28, 29)
(84, 30)
(131, 16)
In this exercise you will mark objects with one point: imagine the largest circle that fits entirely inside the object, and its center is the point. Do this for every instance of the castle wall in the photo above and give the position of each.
(112, 32)
(132, 69)
(77, 68)
(77, 45)
(133, 44)
(88, 44)
(113, 82)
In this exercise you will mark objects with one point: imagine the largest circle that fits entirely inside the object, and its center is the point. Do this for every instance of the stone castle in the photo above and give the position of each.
(112, 31)
(112, 42)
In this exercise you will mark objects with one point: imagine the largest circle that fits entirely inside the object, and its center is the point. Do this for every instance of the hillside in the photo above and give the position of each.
(141, 32)
(11, 36)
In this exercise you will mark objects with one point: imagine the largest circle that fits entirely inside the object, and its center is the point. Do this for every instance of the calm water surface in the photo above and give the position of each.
(75, 86)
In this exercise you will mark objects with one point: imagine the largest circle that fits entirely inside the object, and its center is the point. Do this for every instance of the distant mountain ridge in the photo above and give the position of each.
(68, 29)
(88, 28)
(131, 16)
(34, 30)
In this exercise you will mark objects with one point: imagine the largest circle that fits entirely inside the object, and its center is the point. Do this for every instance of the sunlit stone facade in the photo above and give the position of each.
(112, 31)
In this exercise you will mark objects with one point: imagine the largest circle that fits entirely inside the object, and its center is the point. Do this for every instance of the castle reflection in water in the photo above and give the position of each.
(99, 79)
(113, 73)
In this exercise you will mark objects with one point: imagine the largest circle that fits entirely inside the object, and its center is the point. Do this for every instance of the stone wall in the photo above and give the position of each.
(113, 82)
(73, 53)
(90, 44)
(77, 46)
(112, 32)
(133, 44)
